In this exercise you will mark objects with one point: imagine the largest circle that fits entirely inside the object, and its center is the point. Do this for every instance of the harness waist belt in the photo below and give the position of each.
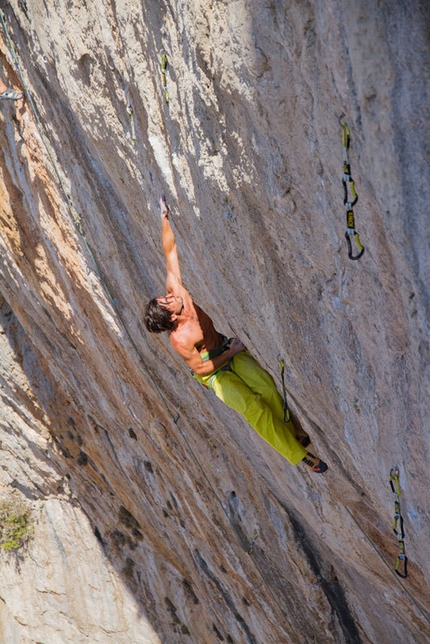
(208, 380)
(214, 353)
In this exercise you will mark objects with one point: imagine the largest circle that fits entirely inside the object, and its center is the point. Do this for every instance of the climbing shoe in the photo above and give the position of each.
(11, 94)
(315, 463)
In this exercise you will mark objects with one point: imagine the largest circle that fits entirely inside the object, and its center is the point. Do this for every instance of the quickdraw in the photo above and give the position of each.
(284, 391)
(133, 129)
(164, 66)
(401, 567)
(349, 202)
(253, 538)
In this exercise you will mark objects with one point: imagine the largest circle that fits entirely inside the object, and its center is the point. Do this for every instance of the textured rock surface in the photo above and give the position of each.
(141, 524)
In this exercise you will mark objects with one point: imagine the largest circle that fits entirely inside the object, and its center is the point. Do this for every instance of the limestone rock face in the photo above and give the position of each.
(144, 493)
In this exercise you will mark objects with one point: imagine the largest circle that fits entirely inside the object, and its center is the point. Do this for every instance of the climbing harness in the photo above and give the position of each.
(401, 567)
(349, 202)
(253, 538)
(208, 381)
(164, 66)
(284, 391)
(214, 353)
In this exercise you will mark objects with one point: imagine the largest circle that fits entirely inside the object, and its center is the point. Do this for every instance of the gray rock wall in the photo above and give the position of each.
(144, 490)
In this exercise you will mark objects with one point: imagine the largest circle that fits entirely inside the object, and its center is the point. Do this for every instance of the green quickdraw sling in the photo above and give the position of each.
(347, 180)
(401, 567)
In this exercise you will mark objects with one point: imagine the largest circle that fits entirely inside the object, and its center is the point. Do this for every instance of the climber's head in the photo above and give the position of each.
(162, 312)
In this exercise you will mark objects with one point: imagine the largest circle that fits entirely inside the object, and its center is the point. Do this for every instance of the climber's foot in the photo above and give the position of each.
(163, 206)
(11, 95)
(315, 463)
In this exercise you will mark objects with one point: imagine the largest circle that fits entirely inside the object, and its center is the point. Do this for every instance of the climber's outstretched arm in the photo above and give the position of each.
(173, 273)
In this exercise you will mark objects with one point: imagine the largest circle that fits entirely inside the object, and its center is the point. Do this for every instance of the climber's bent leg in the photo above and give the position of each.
(261, 383)
(258, 380)
(233, 391)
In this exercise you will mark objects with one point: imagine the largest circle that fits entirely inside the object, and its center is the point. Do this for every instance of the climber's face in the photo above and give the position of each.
(172, 303)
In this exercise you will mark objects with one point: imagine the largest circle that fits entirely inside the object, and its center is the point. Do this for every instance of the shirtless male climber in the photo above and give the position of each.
(222, 365)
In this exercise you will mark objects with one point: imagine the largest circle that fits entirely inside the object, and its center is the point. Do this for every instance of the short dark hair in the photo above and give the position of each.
(157, 317)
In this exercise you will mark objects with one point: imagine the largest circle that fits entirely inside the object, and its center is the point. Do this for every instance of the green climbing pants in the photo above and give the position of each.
(246, 387)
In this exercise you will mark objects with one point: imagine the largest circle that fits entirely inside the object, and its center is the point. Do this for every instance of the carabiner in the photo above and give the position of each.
(394, 481)
(253, 538)
(350, 223)
(348, 179)
(346, 135)
(402, 558)
(394, 472)
(348, 236)
(164, 64)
